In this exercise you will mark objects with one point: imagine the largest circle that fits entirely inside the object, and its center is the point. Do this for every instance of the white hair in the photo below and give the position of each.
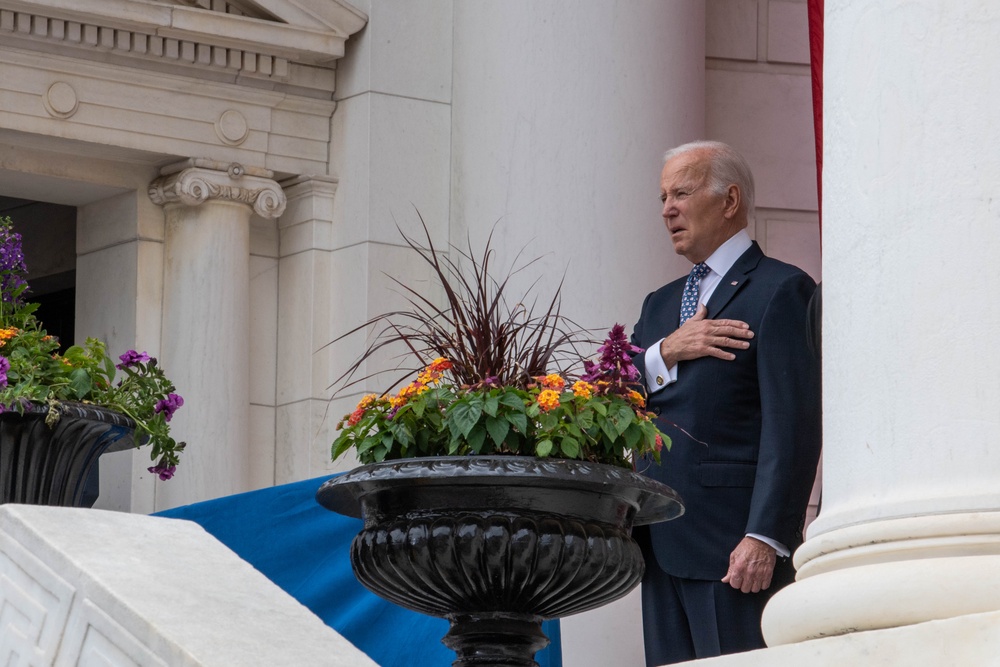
(726, 167)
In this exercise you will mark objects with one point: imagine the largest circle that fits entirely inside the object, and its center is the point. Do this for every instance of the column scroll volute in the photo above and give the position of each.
(196, 181)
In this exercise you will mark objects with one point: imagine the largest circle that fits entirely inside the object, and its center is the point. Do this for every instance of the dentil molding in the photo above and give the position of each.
(195, 181)
(251, 39)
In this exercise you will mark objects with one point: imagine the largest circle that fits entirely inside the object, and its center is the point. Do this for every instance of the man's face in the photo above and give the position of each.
(696, 218)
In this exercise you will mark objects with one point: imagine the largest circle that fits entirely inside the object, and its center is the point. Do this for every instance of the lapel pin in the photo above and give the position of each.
(735, 283)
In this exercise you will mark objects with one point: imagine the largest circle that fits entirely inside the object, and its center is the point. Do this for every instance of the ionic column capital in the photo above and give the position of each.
(196, 181)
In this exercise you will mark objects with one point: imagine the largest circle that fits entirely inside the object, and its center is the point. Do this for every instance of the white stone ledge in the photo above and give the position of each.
(969, 641)
(93, 587)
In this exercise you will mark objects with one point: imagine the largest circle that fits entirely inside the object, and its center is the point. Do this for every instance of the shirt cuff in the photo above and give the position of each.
(778, 546)
(658, 375)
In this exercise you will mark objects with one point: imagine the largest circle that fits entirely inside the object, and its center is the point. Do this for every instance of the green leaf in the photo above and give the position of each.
(585, 420)
(598, 406)
(518, 420)
(367, 444)
(547, 421)
(632, 435)
(476, 439)
(570, 447)
(608, 427)
(341, 445)
(622, 416)
(80, 383)
(532, 410)
(512, 400)
(401, 434)
(543, 448)
(465, 415)
(491, 405)
(497, 428)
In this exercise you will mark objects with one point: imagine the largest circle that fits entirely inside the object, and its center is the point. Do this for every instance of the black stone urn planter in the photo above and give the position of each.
(497, 544)
(42, 465)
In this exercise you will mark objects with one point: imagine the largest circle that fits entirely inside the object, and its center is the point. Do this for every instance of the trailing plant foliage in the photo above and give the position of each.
(33, 370)
(497, 379)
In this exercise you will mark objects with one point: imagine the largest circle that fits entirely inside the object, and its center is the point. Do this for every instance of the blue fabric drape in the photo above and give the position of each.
(304, 549)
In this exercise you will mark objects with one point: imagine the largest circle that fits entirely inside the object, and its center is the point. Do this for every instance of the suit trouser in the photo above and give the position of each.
(685, 619)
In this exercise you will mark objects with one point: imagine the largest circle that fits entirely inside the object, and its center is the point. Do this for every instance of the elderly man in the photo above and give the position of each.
(733, 382)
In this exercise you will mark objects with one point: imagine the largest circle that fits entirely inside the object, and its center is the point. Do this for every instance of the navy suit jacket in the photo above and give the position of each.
(746, 433)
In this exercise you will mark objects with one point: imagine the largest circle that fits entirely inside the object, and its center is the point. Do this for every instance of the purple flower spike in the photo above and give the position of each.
(4, 367)
(131, 358)
(168, 406)
(165, 472)
(615, 365)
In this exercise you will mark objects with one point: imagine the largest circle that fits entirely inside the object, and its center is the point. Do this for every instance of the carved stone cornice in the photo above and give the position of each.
(203, 42)
(196, 181)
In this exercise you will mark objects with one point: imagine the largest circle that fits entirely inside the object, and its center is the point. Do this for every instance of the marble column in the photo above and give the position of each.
(910, 524)
(206, 318)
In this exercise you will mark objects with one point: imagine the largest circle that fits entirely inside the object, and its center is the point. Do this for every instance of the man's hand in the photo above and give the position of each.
(699, 337)
(750, 566)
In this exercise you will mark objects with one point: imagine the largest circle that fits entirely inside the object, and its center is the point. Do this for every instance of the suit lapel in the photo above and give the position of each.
(734, 280)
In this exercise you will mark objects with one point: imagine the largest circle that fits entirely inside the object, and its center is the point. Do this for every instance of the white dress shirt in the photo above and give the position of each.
(658, 376)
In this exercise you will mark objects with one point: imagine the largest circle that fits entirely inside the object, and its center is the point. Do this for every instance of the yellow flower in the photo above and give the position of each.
(548, 400)
(6, 334)
(637, 398)
(405, 394)
(432, 374)
(366, 401)
(553, 381)
(583, 389)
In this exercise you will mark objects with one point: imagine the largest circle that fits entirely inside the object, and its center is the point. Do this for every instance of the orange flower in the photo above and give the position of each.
(637, 398)
(583, 389)
(553, 381)
(6, 334)
(440, 365)
(355, 417)
(548, 400)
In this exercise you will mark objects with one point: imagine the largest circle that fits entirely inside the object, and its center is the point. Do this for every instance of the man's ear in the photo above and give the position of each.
(731, 205)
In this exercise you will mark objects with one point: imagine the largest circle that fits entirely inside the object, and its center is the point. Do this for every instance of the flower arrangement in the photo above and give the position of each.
(486, 386)
(33, 370)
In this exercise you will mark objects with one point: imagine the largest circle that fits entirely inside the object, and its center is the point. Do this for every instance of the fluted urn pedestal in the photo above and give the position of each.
(498, 544)
(49, 465)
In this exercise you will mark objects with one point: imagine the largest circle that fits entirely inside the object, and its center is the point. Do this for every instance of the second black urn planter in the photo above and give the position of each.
(497, 544)
(43, 465)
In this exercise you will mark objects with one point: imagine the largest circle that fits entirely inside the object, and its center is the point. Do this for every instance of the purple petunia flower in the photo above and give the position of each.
(12, 267)
(131, 358)
(164, 471)
(168, 406)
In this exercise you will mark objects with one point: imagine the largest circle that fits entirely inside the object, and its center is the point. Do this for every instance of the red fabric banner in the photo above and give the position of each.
(816, 62)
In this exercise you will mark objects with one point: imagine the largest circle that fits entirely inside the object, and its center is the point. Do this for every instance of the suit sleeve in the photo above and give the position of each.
(637, 339)
(789, 377)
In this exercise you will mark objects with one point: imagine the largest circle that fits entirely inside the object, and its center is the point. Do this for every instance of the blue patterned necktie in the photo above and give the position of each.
(689, 300)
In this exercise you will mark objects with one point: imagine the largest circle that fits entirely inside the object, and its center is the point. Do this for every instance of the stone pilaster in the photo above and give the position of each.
(206, 320)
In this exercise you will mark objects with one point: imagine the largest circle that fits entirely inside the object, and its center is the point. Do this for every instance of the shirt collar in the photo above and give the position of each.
(726, 254)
